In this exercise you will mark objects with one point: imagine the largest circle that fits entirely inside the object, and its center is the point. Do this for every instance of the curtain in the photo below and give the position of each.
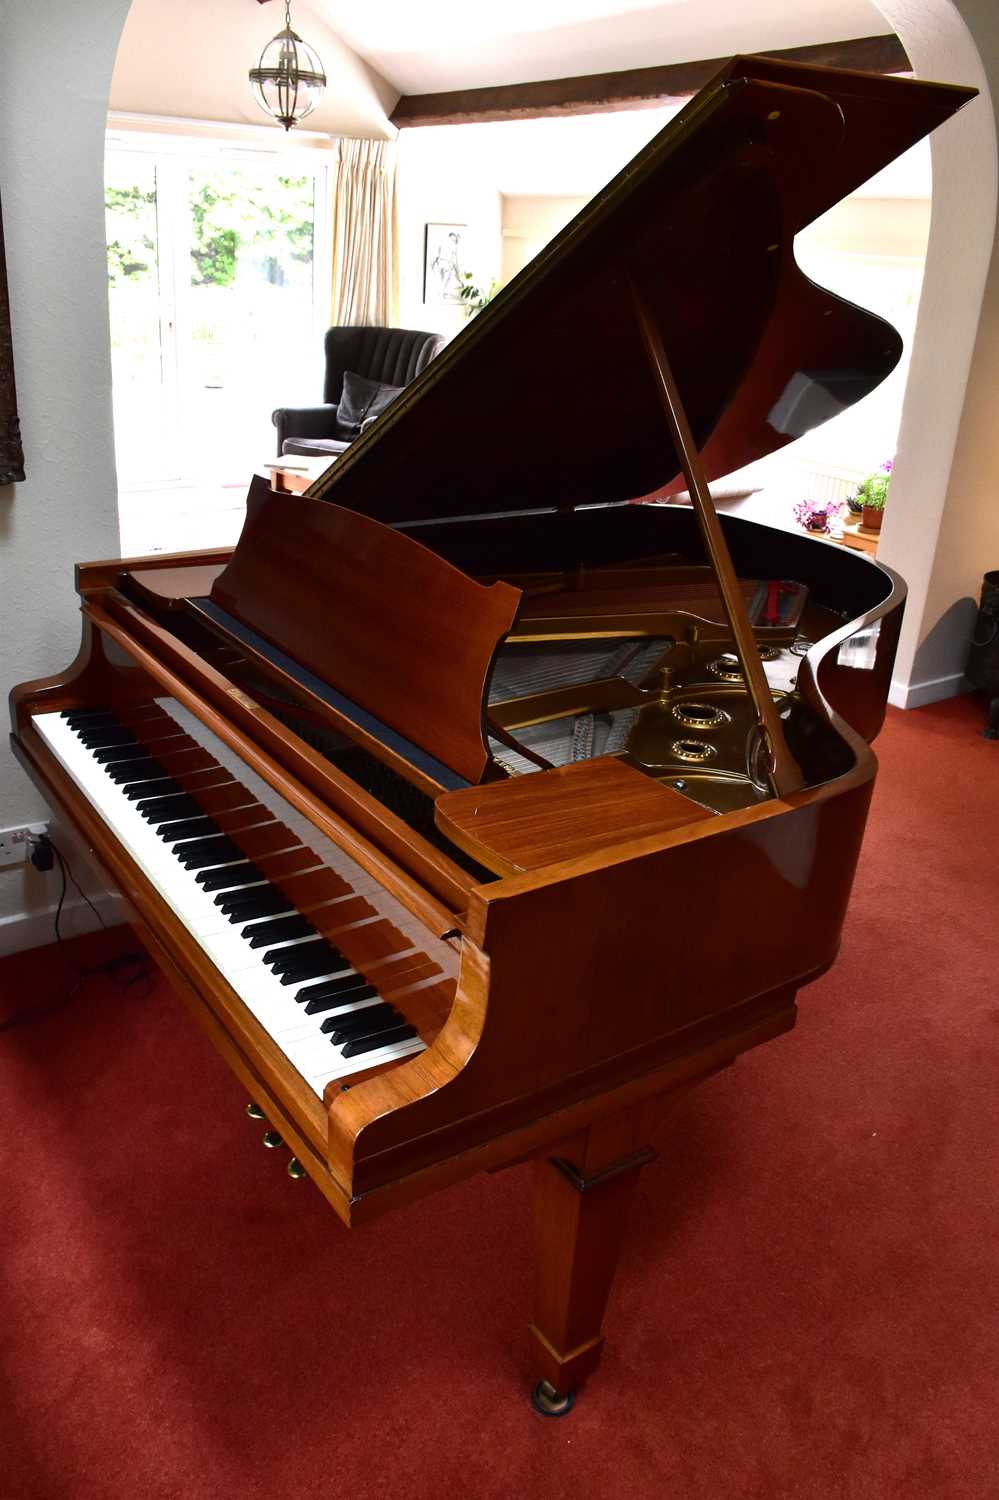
(365, 236)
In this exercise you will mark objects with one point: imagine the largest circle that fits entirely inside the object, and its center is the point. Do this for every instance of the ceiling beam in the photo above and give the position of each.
(634, 88)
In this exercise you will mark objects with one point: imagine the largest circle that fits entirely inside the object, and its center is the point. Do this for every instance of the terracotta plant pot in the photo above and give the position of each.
(871, 519)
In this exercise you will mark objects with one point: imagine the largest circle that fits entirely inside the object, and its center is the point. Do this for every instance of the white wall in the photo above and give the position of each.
(441, 181)
(941, 529)
(190, 59)
(528, 223)
(51, 181)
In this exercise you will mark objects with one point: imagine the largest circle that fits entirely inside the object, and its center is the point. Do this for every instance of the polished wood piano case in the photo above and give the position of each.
(566, 940)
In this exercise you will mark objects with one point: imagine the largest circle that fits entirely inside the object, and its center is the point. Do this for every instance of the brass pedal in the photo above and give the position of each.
(295, 1169)
(271, 1139)
(254, 1111)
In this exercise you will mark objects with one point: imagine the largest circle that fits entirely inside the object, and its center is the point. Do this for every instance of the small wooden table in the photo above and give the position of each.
(296, 473)
(859, 537)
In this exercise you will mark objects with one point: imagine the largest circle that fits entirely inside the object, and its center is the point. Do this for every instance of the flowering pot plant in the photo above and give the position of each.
(872, 496)
(817, 515)
(474, 298)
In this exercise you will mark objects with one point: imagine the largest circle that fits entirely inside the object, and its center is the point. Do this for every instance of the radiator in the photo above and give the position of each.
(824, 483)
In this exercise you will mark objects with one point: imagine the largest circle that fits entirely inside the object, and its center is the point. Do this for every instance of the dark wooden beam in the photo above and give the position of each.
(634, 88)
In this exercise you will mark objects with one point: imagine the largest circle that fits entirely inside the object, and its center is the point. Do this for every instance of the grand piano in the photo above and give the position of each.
(472, 808)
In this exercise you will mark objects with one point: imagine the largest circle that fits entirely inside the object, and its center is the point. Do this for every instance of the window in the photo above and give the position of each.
(218, 277)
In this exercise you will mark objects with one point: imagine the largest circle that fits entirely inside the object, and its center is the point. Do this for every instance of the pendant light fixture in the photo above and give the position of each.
(289, 79)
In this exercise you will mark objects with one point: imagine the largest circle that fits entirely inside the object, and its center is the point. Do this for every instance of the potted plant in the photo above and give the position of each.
(872, 496)
(817, 516)
(473, 298)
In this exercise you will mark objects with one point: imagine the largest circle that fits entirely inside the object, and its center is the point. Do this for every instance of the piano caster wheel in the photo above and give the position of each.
(295, 1169)
(271, 1139)
(550, 1402)
(254, 1111)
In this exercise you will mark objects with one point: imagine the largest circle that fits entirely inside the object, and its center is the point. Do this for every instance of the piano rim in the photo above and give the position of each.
(309, 1124)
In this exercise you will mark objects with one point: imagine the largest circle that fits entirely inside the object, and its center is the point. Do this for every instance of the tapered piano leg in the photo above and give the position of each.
(583, 1191)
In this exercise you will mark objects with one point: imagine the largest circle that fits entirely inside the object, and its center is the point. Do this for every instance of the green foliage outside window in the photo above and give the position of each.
(231, 215)
(131, 230)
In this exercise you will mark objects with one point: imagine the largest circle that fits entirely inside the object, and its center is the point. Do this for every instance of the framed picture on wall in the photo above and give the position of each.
(11, 455)
(443, 263)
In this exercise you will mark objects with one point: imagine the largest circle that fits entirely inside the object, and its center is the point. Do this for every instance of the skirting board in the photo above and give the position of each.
(916, 694)
(20, 930)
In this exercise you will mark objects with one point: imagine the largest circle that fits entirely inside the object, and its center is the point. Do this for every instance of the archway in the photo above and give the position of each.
(942, 528)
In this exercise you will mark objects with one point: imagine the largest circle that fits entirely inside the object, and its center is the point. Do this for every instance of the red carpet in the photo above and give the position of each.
(809, 1306)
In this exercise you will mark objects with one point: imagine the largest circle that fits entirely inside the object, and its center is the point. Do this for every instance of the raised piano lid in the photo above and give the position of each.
(546, 400)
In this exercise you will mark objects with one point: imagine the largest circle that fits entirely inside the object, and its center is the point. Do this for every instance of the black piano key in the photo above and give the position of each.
(152, 790)
(132, 773)
(97, 711)
(100, 734)
(117, 753)
(101, 731)
(291, 955)
(162, 809)
(246, 906)
(333, 963)
(337, 1003)
(315, 966)
(230, 901)
(363, 1022)
(200, 854)
(278, 930)
(342, 990)
(364, 1044)
(174, 831)
(244, 915)
(136, 770)
(240, 872)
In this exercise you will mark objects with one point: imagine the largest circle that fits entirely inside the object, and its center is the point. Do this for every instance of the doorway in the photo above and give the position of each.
(218, 286)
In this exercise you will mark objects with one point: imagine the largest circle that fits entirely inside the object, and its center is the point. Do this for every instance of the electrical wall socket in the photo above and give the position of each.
(15, 843)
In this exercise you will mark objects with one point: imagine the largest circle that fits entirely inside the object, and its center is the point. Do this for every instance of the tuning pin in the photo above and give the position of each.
(295, 1169)
(254, 1111)
(272, 1139)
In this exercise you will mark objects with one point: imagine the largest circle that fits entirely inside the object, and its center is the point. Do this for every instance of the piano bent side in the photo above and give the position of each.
(582, 982)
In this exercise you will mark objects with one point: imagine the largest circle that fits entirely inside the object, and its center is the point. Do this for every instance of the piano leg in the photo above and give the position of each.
(583, 1191)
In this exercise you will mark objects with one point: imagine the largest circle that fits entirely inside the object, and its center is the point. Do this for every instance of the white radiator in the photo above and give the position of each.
(825, 483)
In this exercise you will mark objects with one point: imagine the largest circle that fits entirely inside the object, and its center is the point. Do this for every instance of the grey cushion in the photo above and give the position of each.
(314, 447)
(361, 402)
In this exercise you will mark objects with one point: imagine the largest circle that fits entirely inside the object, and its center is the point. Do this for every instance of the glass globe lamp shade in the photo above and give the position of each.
(289, 79)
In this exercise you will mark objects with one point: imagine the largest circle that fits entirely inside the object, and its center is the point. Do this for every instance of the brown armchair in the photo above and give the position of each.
(385, 359)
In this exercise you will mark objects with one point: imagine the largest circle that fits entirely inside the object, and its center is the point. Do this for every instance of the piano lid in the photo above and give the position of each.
(546, 399)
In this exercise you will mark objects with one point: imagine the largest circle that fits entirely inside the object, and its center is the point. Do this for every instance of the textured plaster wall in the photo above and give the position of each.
(941, 530)
(51, 186)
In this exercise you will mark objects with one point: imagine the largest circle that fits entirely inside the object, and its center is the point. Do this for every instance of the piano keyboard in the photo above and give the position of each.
(280, 910)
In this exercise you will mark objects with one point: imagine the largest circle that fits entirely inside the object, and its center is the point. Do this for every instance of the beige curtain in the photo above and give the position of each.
(365, 235)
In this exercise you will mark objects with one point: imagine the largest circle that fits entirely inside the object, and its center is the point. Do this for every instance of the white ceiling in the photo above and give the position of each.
(438, 45)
